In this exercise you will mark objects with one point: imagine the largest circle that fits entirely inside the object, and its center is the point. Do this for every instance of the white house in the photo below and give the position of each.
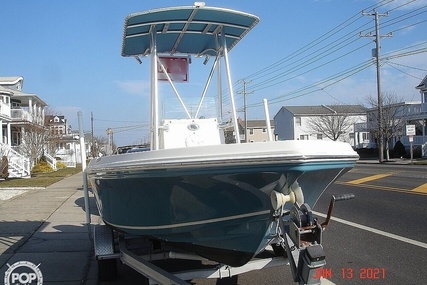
(20, 113)
(295, 122)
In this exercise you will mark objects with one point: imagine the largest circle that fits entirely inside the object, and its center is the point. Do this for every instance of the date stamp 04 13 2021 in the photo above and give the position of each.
(349, 273)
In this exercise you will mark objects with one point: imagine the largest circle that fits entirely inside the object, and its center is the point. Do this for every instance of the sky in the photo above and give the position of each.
(307, 52)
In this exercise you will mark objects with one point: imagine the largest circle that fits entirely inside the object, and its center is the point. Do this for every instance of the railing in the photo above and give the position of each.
(417, 140)
(51, 160)
(24, 115)
(72, 164)
(21, 115)
(415, 109)
(424, 150)
(67, 156)
(19, 165)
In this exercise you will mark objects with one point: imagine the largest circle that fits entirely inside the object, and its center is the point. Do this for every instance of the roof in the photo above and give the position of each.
(18, 94)
(5, 91)
(326, 110)
(185, 30)
(258, 123)
(25, 98)
(423, 84)
(8, 80)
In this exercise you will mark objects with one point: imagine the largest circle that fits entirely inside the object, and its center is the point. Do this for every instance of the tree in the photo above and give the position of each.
(392, 117)
(33, 141)
(53, 138)
(99, 147)
(333, 125)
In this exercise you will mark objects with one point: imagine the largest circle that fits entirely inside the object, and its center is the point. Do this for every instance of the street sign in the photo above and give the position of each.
(410, 130)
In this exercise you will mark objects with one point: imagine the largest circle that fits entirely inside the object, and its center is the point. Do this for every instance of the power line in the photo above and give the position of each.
(316, 42)
(391, 65)
(313, 56)
(407, 66)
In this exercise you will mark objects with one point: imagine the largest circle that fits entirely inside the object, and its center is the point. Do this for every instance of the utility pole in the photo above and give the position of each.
(110, 141)
(244, 92)
(92, 148)
(376, 54)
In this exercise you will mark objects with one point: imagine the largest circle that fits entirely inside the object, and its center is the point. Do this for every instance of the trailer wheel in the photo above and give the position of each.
(233, 280)
(278, 249)
(107, 269)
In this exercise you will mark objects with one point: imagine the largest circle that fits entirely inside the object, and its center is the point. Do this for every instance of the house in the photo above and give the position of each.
(333, 122)
(22, 119)
(57, 125)
(396, 117)
(257, 130)
(62, 142)
(419, 117)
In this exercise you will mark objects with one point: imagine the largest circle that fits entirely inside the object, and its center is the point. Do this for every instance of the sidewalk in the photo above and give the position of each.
(47, 227)
(402, 161)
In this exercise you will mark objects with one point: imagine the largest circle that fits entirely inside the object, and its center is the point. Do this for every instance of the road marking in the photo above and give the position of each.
(384, 188)
(379, 232)
(325, 281)
(421, 189)
(369, 178)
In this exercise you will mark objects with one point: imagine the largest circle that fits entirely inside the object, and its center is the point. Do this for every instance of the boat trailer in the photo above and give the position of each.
(298, 245)
(141, 255)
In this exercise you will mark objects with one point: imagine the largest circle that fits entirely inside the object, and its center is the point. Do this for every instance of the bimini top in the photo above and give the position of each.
(185, 30)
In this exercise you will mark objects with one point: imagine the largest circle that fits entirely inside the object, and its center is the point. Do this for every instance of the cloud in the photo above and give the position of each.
(134, 87)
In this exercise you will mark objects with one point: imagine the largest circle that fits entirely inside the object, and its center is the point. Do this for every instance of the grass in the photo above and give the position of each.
(41, 179)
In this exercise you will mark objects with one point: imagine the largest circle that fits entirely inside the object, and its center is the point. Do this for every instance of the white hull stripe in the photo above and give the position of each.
(163, 227)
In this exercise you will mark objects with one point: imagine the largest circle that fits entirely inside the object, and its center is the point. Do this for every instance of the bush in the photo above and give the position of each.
(60, 165)
(399, 149)
(365, 153)
(42, 167)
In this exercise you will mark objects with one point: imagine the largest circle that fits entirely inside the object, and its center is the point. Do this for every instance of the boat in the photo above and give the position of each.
(192, 188)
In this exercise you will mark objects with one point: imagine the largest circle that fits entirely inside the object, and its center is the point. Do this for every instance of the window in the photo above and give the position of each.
(251, 131)
(303, 137)
(264, 130)
(298, 121)
(319, 136)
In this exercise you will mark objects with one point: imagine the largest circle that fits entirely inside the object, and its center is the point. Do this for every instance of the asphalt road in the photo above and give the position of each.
(380, 237)
(393, 207)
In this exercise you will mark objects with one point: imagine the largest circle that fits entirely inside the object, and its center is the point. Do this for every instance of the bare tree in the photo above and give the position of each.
(393, 113)
(99, 146)
(52, 138)
(33, 142)
(333, 125)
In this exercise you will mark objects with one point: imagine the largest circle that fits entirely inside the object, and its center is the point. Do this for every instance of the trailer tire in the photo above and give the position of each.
(107, 269)
(233, 280)
(278, 249)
